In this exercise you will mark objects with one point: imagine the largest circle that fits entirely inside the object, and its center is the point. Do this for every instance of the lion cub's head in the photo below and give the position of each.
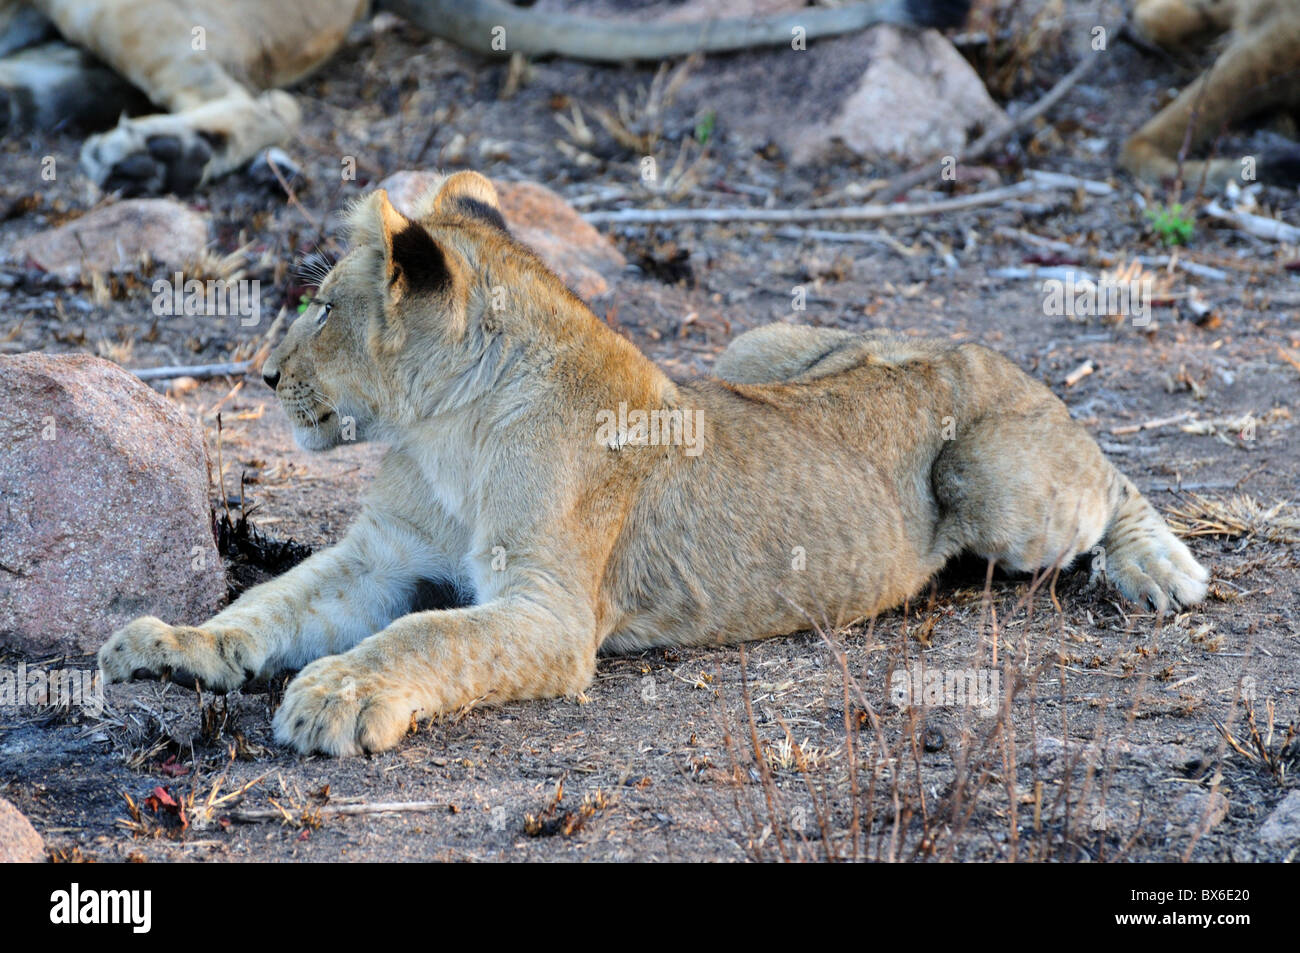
(398, 329)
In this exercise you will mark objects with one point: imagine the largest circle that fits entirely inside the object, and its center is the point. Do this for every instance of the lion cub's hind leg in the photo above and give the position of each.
(1027, 490)
(1032, 491)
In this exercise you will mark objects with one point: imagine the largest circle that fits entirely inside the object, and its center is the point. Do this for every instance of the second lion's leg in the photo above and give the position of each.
(1257, 73)
(195, 65)
(52, 85)
(176, 152)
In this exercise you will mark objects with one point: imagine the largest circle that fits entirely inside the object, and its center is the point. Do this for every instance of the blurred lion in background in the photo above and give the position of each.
(1257, 73)
(208, 73)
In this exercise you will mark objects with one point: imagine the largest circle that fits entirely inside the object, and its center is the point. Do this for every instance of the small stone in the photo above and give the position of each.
(1282, 827)
(19, 842)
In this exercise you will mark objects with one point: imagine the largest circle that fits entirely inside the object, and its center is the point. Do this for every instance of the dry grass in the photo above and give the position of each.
(555, 819)
(1234, 517)
(636, 124)
(1273, 748)
(1011, 789)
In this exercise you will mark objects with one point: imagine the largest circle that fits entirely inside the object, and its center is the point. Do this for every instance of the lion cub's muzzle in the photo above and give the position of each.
(317, 424)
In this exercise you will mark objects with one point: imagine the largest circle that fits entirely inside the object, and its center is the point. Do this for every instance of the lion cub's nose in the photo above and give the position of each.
(272, 378)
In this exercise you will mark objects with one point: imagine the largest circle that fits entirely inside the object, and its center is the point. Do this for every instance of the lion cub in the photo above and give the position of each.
(580, 501)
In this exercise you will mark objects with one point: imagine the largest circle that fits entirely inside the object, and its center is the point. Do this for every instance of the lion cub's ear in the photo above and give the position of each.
(408, 261)
(412, 261)
(468, 193)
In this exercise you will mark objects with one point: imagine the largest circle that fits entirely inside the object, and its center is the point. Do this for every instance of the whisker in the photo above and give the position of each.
(313, 268)
(327, 402)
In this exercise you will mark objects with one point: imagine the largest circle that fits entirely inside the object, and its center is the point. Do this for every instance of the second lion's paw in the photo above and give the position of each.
(152, 155)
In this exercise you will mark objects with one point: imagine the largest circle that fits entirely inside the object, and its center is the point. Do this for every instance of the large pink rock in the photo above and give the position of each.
(103, 506)
(117, 237)
(542, 220)
(887, 91)
(918, 97)
(19, 842)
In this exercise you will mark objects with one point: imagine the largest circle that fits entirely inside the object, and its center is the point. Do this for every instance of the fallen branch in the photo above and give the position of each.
(1181, 487)
(1267, 228)
(254, 815)
(1152, 424)
(994, 137)
(858, 213)
(200, 371)
(1191, 267)
(1107, 258)
(1038, 241)
(1061, 180)
(877, 237)
(1119, 448)
(1043, 272)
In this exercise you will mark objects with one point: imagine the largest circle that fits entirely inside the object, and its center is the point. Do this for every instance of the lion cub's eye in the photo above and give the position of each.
(324, 313)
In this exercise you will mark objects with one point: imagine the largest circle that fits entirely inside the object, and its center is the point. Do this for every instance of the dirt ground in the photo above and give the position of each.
(1116, 735)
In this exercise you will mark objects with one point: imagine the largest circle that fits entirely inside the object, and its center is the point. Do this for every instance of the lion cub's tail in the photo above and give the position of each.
(1143, 558)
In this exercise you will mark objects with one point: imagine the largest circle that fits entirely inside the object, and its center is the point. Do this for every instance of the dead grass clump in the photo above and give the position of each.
(251, 555)
(554, 819)
(976, 778)
(1235, 517)
(1272, 748)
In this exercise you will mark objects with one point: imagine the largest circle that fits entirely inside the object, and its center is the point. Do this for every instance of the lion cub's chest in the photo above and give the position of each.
(448, 478)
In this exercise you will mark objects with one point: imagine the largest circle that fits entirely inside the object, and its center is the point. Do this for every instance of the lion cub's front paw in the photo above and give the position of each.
(335, 707)
(150, 648)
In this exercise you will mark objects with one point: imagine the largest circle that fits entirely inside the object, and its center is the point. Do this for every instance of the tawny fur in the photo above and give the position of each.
(1257, 73)
(831, 474)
